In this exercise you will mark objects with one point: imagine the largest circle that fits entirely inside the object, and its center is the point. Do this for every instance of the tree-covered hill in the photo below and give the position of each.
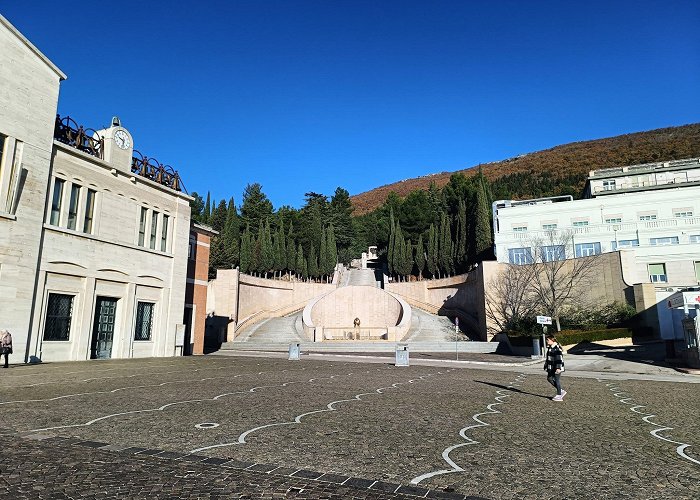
(559, 170)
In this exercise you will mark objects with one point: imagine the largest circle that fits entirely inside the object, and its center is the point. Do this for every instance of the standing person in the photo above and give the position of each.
(554, 365)
(5, 345)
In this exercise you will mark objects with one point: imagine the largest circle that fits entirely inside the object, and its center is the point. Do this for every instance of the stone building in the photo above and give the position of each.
(649, 214)
(93, 236)
(197, 287)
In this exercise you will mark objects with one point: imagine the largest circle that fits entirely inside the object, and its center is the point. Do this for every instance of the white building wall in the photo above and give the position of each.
(662, 205)
(29, 86)
(110, 262)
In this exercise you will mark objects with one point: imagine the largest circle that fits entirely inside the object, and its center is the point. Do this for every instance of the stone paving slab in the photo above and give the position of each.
(608, 439)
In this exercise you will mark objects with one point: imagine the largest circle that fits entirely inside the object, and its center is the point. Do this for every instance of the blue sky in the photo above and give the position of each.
(303, 95)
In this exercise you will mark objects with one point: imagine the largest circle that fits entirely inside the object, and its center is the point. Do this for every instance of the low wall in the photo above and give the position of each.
(244, 300)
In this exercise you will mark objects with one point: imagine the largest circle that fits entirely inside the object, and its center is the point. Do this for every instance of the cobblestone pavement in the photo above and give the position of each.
(254, 427)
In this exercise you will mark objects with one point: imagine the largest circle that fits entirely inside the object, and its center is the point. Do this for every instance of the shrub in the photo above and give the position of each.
(568, 337)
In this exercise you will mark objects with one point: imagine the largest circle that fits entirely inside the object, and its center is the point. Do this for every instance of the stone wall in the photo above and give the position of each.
(239, 300)
(28, 99)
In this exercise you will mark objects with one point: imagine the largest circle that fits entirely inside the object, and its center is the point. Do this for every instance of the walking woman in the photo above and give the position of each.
(554, 365)
(5, 345)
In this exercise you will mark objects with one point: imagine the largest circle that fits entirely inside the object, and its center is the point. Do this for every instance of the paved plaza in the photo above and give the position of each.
(329, 427)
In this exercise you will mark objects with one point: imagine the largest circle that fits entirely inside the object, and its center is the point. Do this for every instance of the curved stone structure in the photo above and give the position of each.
(382, 315)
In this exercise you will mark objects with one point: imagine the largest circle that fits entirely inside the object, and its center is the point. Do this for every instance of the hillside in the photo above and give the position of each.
(569, 163)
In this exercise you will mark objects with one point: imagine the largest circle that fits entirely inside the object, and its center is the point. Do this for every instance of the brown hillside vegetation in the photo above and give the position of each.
(569, 160)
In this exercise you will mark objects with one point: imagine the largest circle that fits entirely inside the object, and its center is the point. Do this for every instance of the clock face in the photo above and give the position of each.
(122, 140)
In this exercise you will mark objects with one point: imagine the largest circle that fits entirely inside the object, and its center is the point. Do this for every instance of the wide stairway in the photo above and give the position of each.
(283, 331)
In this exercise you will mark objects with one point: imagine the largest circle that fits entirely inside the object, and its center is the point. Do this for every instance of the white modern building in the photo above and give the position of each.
(93, 236)
(649, 213)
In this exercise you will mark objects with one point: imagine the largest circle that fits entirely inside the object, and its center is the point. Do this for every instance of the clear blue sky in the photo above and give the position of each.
(303, 95)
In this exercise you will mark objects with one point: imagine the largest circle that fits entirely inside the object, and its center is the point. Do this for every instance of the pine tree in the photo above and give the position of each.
(256, 208)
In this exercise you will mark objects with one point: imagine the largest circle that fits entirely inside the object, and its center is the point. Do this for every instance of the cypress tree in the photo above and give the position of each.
(392, 238)
(445, 246)
(332, 249)
(407, 258)
(267, 253)
(420, 257)
(246, 252)
(432, 261)
(207, 209)
(291, 252)
(232, 235)
(313, 263)
(300, 263)
(323, 254)
(461, 238)
(483, 237)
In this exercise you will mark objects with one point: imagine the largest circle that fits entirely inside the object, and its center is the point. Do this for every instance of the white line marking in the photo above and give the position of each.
(463, 435)
(680, 450)
(160, 408)
(297, 420)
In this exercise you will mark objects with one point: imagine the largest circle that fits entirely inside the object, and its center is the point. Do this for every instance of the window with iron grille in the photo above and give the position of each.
(58, 316)
(144, 320)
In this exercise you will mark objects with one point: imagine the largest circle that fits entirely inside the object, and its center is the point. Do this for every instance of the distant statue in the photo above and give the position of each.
(356, 325)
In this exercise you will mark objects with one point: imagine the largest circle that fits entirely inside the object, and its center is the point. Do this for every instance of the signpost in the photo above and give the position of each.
(544, 321)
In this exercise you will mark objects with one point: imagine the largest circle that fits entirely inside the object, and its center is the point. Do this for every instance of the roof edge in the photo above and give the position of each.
(32, 47)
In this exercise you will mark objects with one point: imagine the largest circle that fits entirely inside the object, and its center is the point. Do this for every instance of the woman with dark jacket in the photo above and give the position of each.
(5, 345)
(554, 365)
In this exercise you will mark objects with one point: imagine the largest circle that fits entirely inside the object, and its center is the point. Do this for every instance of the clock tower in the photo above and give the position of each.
(118, 145)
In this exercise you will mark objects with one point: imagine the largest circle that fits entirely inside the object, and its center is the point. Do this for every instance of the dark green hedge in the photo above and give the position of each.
(568, 337)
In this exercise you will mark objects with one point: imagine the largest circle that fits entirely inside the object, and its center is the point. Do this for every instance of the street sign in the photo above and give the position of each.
(544, 320)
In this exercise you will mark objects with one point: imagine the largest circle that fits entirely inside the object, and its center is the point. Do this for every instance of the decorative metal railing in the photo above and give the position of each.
(152, 169)
(67, 131)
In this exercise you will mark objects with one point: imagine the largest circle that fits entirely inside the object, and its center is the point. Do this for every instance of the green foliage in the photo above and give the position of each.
(256, 207)
(197, 208)
(207, 209)
(605, 315)
(569, 337)
(420, 257)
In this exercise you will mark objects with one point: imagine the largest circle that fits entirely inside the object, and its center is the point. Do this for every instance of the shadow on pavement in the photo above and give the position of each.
(513, 389)
(649, 354)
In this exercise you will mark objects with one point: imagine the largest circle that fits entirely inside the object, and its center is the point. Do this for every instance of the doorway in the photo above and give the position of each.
(103, 328)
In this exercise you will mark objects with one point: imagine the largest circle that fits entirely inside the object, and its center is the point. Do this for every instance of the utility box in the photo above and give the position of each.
(401, 354)
(294, 352)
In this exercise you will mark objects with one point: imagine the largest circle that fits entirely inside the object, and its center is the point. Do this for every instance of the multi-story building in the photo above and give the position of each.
(649, 213)
(93, 236)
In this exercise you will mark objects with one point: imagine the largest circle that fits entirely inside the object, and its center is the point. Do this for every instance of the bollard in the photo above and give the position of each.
(294, 352)
(401, 355)
(536, 353)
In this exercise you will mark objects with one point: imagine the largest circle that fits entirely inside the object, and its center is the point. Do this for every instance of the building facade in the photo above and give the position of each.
(197, 287)
(93, 236)
(649, 213)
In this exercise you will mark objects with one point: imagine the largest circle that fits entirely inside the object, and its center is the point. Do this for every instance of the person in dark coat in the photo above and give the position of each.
(5, 345)
(554, 366)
